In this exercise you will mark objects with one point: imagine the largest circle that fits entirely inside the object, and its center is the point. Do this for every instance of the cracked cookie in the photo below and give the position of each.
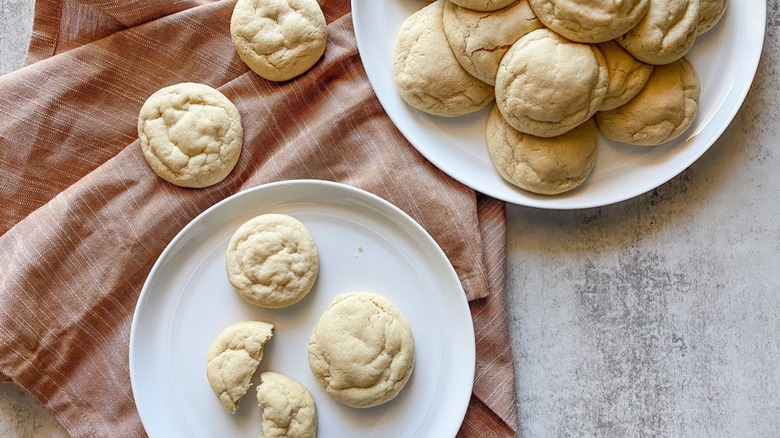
(546, 166)
(590, 21)
(427, 74)
(190, 134)
(272, 261)
(663, 110)
(710, 13)
(480, 39)
(483, 5)
(665, 33)
(546, 85)
(233, 359)
(362, 350)
(279, 39)
(627, 75)
(288, 407)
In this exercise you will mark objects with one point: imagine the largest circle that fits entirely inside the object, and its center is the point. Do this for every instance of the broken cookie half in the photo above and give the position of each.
(233, 360)
(288, 407)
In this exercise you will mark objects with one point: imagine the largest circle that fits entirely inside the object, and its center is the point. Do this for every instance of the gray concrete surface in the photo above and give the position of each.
(659, 316)
(15, 29)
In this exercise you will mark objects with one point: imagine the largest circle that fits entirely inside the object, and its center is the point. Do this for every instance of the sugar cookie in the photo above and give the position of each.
(288, 407)
(627, 75)
(233, 359)
(190, 134)
(480, 39)
(547, 166)
(279, 39)
(663, 110)
(710, 13)
(665, 33)
(483, 5)
(427, 74)
(547, 85)
(362, 350)
(272, 261)
(591, 21)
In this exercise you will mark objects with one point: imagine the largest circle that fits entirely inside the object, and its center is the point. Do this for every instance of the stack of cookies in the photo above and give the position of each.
(557, 73)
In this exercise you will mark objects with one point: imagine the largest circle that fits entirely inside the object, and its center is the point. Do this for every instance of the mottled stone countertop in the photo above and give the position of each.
(658, 316)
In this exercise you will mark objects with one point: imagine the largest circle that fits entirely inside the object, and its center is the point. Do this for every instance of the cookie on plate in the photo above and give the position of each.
(710, 13)
(279, 39)
(272, 260)
(480, 39)
(233, 359)
(483, 5)
(427, 74)
(546, 85)
(547, 166)
(627, 75)
(362, 350)
(288, 407)
(592, 21)
(665, 33)
(190, 134)
(663, 110)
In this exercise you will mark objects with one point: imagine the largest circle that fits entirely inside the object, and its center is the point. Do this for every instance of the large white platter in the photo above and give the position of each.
(365, 244)
(726, 59)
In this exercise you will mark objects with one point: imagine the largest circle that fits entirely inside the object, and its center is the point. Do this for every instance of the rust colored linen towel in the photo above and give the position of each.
(84, 218)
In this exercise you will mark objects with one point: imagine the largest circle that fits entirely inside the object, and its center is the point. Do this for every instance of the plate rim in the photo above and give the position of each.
(373, 200)
(557, 203)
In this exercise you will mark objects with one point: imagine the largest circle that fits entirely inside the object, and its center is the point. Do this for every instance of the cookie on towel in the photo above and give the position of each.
(591, 21)
(665, 33)
(483, 5)
(547, 85)
(627, 75)
(663, 110)
(480, 39)
(288, 407)
(191, 134)
(233, 359)
(362, 350)
(272, 260)
(547, 166)
(427, 74)
(710, 13)
(279, 39)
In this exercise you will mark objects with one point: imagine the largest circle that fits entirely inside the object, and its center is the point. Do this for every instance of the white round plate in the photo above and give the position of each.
(365, 244)
(726, 59)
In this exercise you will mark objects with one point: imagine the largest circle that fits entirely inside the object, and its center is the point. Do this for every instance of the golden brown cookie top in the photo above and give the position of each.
(279, 39)
(190, 134)
(547, 166)
(480, 39)
(427, 74)
(362, 350)
(627, 75)
(547, 85)
(288, 407)
(665, 33)
(590, 21)
(233, 359)
(272, 260)
(663, 110)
